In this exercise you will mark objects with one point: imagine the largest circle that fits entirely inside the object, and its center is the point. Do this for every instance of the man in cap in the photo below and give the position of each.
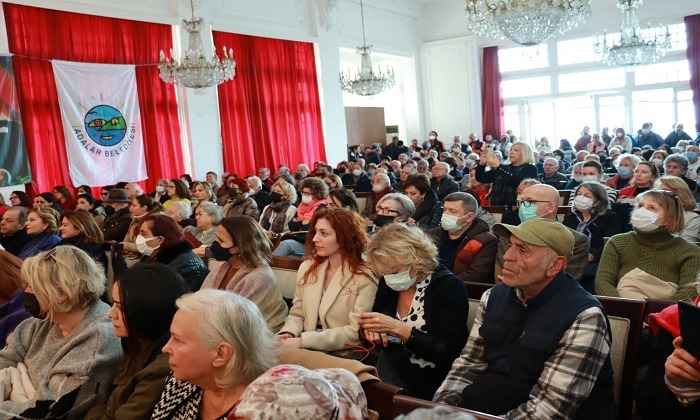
(540, 344)
(116, 225)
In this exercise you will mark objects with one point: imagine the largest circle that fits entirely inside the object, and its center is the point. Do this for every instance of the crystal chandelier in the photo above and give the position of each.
(636, 46)
(195, 70)
(525, 22)
(367, 81)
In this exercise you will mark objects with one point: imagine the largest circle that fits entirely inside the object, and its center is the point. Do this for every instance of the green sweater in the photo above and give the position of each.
(658, 253)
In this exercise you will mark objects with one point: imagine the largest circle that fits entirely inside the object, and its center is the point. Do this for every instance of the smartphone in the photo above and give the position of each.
(689, 315)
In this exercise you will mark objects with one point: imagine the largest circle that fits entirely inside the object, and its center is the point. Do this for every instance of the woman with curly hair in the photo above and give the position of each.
(333, 284)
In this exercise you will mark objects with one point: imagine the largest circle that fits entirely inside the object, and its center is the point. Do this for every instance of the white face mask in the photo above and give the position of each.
(399, 281)
(432, 137)
(449, 222)
(357, 172)
(583, 203)
(644, 220)
(377, 188)
(160, 188)
(589, 178)
(143, 247)
(307, 198)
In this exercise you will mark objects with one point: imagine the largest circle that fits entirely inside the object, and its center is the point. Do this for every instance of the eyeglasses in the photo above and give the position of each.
(388, 210)
(530, 202)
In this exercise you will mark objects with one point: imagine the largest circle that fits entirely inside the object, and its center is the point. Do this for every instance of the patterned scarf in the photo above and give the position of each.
(306, 211)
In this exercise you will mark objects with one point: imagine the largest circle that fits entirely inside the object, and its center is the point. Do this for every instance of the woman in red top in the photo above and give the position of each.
(64, 197)
(644, 176)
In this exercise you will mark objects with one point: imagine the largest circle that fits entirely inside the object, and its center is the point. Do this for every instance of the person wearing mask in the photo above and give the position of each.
(42, 226)
(64, 197)
(333, 181)
(596, 145)
(677, 165)
(13, 235)
(657, 158)
(222, 195)
(551, 175)
(692, 153)
(428, 208)
(644, 176)
(20, 199)
(180, 211)
(591, 216)
(68, 322)
(434, 143)
(505, 178)
(647, 137)
(210, 355)
(677, 135)
(584, 140)
(208, 216)
(419, 314)
(441, 182)
(343, 199)
(621, 140)
(243, 253)
(650, 262)
(87, 203)
(133, 190)
(542, 201)
(591, 171)
(357, 179)
(160, 240)
(266, 178)
(465, 244)
(117, 224)
(275, 217)
(79, 229)
(314, 195)
(239, 202)
(626, 165)
(178, 190)
(140, 207)
(576, 176)
(381, 186)
(691, 219)
(161, 192)
(319, 319)
(540, 345)
(261, 196)
(393, 207)
(143, 308)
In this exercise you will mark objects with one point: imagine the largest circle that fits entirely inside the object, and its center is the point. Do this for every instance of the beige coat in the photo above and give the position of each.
(336, 309)
(257, 284)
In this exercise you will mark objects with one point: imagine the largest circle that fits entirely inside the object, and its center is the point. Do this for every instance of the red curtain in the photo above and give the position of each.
(37, 35)
(491, 101)
(270, 113)
(692, 27)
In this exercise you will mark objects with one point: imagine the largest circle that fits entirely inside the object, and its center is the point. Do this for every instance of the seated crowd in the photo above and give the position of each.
(173, 294)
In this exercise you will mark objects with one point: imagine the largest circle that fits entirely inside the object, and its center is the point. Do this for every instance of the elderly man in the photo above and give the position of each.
(543, 201)
(133, 190)
(441, 182)
(465, 244)
(551, 175)
(257, 192)
(13, 237)
(677, 165)
(677, 135)
(540, 344)
(117, 224)
(357, 179)
(267, 181)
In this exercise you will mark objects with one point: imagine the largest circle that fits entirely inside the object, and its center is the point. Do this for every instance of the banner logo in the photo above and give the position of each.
(105, 125)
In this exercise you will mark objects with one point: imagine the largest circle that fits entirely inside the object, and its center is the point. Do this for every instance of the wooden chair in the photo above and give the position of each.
(473, 308)
(362, 200)
(285, 269)
(656, 305)
(380, 398)
(475, 289)
(626, 318)
(564, 196)
(404, 405)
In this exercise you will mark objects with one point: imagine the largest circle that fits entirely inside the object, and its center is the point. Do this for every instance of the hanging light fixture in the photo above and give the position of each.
(195, 70)
(525, 22)
(636, 46)
(367, 81)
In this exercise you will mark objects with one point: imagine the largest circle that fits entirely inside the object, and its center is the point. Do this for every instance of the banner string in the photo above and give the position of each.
(87, 62)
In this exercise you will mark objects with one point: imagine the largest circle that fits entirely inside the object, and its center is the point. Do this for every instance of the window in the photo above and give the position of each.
(686, 111)
(523, 58)
(592, 80)
(511, 118)
(655, 106)
(679, 38)
(528, 86)
(575, 51)
(611, 112)
(542, 119)
(572, 114)
(672, 71)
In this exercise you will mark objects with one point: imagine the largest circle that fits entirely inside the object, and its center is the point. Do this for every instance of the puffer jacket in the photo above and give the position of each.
(180, 258)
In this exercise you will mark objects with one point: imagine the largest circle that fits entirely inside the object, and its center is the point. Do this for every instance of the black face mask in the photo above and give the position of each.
(383, 220)
(31, 305)
(219, 252)
(276, 197)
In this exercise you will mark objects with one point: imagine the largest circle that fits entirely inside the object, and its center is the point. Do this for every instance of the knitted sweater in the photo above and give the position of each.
(658, 253)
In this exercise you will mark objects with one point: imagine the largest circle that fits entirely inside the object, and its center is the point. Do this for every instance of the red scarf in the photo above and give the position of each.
(668, 319)
(306, 211)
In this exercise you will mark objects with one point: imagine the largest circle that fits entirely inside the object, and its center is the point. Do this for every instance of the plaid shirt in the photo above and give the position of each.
(566, 381)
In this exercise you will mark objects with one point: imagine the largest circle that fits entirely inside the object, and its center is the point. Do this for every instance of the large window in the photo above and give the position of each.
(555, 89)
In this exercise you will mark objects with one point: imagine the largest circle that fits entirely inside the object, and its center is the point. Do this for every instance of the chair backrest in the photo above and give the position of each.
(473, 308)
(380, 398)
(361, 204)
(626, 318)
(404, 405)
(285, 269)
(476, 289)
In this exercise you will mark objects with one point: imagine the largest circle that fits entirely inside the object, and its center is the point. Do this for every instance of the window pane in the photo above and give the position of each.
(679, 39)
(530, 86)
(523, 58)
(541, 122)
(576, 51)
(511, 118)
(655, 106)
(686, 111)
(572, 114)
(612, 112)
(673, 71)
(592, 80)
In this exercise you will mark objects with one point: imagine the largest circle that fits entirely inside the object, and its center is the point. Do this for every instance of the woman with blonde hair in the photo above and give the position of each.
(333, 284)
(691, 226)
(419, 314)
(49, 351)
(276, 216)
(42, 226)
(80, 230)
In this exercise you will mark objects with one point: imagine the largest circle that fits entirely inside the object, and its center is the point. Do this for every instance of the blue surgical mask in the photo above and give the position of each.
(692, 156)
(527, 211)
(624, 171)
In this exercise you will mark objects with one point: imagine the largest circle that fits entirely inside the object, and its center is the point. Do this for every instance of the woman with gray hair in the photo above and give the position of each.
(393, 207)
(180, 211)
(219, 343)
(207, 216)
(68, 344)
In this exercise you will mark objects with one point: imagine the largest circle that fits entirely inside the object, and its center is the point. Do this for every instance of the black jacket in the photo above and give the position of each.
(262, 199)
(444, 187)
(358, 184)
(505, 180)
(674, 137)
(117, 225)
(180, 258)
(429, 212)
(96, 251)
(15, 243)
(446, 307)
(558, 180)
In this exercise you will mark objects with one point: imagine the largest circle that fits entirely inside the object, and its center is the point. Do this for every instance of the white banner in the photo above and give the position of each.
(101, 121)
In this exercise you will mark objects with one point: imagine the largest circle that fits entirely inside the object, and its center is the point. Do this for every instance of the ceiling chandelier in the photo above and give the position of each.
(525, 22)
(195, 70)
(367, 81)
(636, 46)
